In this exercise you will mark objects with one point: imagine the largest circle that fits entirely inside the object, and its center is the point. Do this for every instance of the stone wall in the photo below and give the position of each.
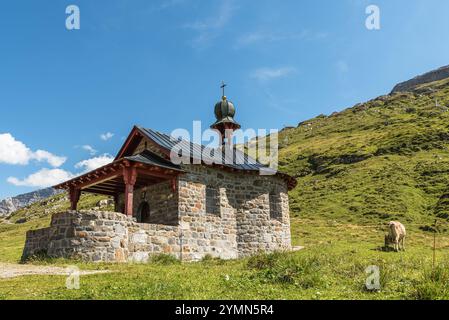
(163, 203)
(244, 224)
(204, 233)
(162, 200)
(37, 242)
(101, 236)
(149, 239)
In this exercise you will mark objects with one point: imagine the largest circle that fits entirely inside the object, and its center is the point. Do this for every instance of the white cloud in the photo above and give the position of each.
(94, 163)
(265, 74)
(13, 151)
(16, 152)
(106, 136)
(266, 37)
(44, 178)
(209, 29)
(54, 161)
(89, 149)
(217, 21)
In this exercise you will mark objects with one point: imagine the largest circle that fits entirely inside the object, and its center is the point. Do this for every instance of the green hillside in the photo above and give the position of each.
(381, 160)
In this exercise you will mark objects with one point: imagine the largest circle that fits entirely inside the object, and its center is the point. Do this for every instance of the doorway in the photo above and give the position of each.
(143, 215)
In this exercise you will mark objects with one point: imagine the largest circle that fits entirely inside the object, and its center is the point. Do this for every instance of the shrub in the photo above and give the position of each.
(264, 260)
(209, 259)
(164, 259)
(282, 268)
(434, 284)
(38, 256)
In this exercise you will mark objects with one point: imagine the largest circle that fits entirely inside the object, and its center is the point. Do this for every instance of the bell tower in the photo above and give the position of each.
(224, 113)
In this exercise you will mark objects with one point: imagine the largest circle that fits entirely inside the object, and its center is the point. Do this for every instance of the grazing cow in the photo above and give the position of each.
(396, 235)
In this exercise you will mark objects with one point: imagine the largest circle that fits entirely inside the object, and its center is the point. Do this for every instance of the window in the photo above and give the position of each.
(212, 200)
(275, 206)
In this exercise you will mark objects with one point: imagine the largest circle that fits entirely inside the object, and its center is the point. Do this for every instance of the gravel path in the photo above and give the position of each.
(10, 270)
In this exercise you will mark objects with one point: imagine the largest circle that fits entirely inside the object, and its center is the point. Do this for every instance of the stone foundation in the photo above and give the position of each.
(101, 236)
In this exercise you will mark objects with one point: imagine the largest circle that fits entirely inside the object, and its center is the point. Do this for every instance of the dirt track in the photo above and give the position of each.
(10, 270)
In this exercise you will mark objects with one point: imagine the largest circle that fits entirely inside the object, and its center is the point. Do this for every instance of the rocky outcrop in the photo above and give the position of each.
(9, 205)
(435, 75)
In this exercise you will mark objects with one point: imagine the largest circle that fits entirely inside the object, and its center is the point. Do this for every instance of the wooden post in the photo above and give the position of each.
(116, 202)
(434, 244)
(129, 177)
(74, 197)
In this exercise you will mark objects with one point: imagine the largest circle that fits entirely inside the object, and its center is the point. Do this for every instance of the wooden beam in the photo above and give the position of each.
(96, 191)
(74, 195)
(106, 189)
(102, 178)
(129, 177)
(155, 173)
(113, 183)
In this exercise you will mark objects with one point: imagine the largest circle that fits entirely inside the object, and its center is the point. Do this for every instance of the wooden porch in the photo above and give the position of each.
(122, 176)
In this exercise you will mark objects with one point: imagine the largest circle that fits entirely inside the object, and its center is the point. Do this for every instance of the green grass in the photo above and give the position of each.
(332, 266)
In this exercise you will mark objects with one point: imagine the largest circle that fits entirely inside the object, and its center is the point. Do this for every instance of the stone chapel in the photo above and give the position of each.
(226, 210)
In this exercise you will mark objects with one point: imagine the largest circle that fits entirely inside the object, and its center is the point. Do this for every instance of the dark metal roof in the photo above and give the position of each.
(239, 160)
(147, 157)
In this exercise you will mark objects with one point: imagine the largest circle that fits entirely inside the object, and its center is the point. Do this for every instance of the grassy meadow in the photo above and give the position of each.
(331, 266)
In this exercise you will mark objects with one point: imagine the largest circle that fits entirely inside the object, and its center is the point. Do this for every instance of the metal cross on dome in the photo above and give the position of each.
(223, 85)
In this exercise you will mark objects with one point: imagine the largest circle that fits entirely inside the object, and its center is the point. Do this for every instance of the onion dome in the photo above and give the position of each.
(224, 113)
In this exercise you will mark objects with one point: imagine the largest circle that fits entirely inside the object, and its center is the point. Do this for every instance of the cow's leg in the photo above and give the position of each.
(403, 243)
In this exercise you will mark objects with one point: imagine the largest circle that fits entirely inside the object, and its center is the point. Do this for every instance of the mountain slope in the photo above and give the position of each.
(384, 159)
(9, 205)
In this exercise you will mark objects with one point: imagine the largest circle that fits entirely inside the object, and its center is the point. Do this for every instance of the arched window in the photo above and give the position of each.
(275, 205)
(212, 200)
(143, 214)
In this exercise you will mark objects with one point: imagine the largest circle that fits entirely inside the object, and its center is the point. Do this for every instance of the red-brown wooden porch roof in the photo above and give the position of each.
(108, 179)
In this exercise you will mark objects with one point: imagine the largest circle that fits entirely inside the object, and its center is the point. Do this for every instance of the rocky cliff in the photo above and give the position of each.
(9, 205)
(434, 75)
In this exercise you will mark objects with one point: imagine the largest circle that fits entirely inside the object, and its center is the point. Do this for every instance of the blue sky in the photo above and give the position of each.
(159, 64)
